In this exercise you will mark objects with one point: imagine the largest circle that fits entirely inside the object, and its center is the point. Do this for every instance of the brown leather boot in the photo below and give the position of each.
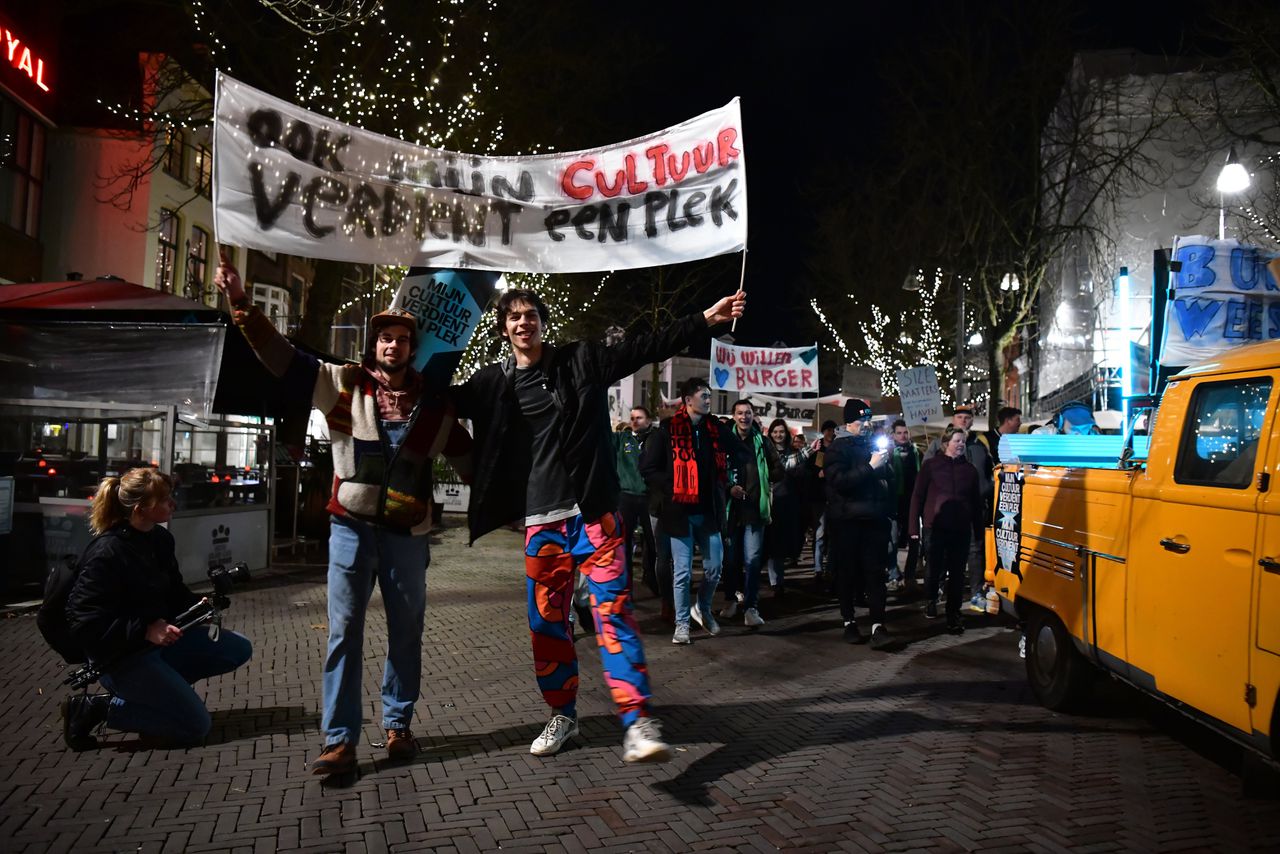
(335, 759)
(401, 745)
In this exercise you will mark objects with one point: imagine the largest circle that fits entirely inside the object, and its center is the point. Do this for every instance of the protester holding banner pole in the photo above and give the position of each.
(386, 428)
(541, 421)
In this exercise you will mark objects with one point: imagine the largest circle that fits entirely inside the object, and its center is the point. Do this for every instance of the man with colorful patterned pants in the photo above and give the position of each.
(541, 424)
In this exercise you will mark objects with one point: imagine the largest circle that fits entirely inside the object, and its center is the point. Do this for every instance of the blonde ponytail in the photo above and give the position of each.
(116, 497)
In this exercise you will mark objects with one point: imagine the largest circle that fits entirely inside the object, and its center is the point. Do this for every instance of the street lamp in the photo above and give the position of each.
(1233, 178)
(1124, 296)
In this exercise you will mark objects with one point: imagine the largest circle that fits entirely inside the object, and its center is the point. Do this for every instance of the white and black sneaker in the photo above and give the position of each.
(643, 742)
(708, 622)
(557, 731)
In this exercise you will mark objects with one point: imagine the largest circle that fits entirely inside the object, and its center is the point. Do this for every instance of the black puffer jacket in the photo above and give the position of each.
(127, 580)
(579, 376)
(855, 490)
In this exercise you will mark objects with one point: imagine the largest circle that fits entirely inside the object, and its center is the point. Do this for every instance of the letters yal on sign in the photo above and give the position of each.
(1224, 296)
(781, 371)
(918, 390)
(289, 180)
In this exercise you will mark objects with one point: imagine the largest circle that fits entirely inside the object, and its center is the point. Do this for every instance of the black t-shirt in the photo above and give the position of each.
(550, 494)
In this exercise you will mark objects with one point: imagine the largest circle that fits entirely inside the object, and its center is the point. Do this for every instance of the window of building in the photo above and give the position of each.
(22, 141)
(197, 263)
(1220, 440)
(274, 302)
(203, 169)
(172, 160)
(166, 250)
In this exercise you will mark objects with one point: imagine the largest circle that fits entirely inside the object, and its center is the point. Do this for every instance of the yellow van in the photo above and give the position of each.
(1161, 565)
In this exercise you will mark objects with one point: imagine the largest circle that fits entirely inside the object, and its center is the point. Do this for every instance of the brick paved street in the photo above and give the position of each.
(786, 738)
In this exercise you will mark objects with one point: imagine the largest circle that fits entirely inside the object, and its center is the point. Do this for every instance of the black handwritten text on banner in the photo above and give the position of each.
(289, 180)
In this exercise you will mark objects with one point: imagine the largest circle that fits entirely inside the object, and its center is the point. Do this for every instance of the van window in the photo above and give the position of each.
(1220, 439)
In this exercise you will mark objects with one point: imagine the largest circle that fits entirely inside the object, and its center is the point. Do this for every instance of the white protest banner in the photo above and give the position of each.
(289, 180)
(1224, 296)
(769, 407)
(448, 305)
(918, 390)
(780, 371)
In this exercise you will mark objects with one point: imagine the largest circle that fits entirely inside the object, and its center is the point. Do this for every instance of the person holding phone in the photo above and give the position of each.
(859, 506)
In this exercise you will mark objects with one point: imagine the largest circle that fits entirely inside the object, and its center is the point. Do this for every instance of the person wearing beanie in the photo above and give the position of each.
(860, 503)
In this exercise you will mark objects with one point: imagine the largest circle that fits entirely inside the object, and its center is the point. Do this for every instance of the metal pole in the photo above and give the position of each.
(1222, 218)
(960, 366)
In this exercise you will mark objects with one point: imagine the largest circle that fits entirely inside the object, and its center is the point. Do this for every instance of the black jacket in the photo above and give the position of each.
(746, 511)
(855, 490)
(579, 375)
(656, 467)
(127, 580)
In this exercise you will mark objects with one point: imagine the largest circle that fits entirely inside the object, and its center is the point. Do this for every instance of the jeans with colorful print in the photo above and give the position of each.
(554, 554)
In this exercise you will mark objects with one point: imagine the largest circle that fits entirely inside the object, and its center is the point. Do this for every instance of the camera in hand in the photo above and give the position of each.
(224, 579)
(206, 612)
(882, 443)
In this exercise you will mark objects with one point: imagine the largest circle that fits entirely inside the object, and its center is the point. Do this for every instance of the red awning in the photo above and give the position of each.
(114, 294)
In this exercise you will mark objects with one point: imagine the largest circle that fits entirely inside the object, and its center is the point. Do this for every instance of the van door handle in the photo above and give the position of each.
(1270, 564)
(1175, 546)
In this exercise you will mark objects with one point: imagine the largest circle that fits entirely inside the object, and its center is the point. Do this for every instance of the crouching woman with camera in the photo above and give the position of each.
(127, 593)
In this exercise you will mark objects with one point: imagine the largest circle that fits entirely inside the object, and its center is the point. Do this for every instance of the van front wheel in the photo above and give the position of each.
(1059, 676)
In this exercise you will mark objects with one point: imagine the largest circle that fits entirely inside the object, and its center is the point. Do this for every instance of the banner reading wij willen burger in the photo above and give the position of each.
(289, 180)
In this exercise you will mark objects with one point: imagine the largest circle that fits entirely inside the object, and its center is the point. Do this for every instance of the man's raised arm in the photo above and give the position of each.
(272, 349)
(635, 351)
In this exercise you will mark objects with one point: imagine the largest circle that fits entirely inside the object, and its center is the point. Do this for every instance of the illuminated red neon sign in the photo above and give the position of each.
(21, 58)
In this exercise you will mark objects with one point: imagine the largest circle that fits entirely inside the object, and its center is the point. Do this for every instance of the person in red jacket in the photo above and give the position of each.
(947, 498)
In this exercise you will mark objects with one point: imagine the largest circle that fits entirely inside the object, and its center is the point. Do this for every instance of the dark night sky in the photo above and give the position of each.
(813, 96)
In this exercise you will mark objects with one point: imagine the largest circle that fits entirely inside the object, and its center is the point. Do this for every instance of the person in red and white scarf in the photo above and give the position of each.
(687, 469)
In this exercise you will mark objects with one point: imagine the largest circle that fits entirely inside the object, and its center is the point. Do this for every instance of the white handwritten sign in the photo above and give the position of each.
(289, 180)
(782, 371)
(921, 400)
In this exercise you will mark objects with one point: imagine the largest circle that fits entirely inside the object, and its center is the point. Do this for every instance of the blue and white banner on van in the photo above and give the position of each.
(1008, 526)
(1224, 296)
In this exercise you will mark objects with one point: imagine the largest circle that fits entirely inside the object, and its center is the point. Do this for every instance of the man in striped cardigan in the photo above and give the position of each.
(386, 428)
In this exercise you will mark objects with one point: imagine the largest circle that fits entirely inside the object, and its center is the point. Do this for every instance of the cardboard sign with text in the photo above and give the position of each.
(780, 371)
(921, 399)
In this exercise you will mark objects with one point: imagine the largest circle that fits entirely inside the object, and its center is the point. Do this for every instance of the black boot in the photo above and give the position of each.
(80, 714)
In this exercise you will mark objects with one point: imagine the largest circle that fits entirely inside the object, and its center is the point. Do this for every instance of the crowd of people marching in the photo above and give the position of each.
(748, 497)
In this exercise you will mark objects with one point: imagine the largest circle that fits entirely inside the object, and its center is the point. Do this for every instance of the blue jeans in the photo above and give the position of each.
(705, 534)
(153, 693)
(819, 543)
(359, 555)
(748, 546)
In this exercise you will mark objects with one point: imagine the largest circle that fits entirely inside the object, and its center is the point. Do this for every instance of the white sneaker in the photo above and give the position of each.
(557, 731)
(709, 623)
(729, 611)
(643, 742)
(751, 617)
(681, 635)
